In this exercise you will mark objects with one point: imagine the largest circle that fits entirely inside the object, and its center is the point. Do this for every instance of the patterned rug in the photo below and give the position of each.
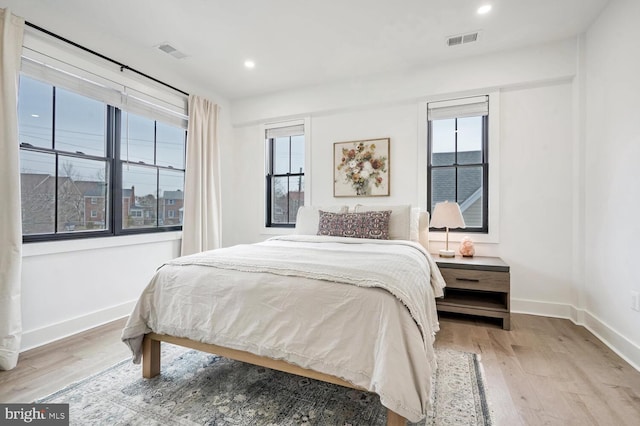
(196, 388)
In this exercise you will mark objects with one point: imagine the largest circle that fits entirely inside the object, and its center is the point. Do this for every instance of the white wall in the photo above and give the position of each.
(70, 286)
(535, 193)
(567, 256)
(612, 226)
(535, 126)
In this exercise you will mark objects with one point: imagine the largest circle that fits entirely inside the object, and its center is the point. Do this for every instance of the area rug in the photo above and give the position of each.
(196, 388)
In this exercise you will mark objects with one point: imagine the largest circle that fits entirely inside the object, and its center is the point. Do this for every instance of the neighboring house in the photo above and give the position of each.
(292, 201)
(170, 208)
(128, 201)
(136, 211)
(94, 201)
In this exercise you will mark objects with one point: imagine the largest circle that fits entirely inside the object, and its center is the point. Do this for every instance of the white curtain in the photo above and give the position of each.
(11, 31)
(201, 220)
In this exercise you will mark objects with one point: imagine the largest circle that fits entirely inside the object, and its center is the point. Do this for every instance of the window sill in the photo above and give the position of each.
(456, 237)
(67, 246)
(278, 231)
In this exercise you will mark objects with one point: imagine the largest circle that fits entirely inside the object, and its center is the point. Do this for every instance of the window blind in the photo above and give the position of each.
(458, 108)
(171, 110)
(280, 132)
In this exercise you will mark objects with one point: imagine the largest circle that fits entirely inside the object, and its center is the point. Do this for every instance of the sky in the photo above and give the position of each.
(469, 134)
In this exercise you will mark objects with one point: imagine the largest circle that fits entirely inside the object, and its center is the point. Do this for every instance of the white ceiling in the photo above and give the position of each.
(298, 43)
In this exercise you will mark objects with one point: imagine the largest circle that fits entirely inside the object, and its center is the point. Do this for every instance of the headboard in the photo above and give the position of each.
(423, 229)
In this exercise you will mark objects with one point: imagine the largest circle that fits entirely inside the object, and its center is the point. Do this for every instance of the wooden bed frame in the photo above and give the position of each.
(151, 364)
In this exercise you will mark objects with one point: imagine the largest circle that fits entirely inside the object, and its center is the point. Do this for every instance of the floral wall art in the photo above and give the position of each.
(361, 168)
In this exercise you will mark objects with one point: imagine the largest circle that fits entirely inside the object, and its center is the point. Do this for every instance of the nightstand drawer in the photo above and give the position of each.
(476, 280)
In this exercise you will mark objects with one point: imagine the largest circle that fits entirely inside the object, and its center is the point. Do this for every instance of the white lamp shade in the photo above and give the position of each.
(447, 215)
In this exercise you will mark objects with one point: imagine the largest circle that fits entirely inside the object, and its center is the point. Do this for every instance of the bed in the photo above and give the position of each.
(358, 312)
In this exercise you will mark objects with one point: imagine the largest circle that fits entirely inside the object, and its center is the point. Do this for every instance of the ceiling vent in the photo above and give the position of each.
(169, 49)
(459, 39)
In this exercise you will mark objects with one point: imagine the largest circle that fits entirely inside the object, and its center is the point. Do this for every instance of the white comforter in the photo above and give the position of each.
(362, 310)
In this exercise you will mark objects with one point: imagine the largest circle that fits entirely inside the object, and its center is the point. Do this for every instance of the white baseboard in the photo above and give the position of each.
(41, 336)
(625, 348)
(545, 309)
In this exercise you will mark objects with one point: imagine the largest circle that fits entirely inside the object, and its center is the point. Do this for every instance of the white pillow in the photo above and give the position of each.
(309, 216)
(399, 222)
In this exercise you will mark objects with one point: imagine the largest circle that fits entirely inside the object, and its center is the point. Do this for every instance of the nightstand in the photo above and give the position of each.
(476, 286)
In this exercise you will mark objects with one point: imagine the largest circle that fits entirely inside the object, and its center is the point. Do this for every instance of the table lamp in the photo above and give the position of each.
(447, 215)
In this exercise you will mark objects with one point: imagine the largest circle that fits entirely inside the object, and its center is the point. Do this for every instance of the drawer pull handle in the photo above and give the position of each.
(473, 280)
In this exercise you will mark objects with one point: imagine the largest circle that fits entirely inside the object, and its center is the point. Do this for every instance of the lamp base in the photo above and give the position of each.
(447, 253)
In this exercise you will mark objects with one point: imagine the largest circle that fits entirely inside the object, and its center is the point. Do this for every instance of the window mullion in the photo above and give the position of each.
(114, 135)
(53, 146)
(290, 154)
(55, 196)
(53, 118)
(288, 192)
(455, 158)
(158, 198)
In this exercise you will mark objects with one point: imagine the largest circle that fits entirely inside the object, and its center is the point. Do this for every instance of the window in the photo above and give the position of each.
(91, 168)
(285, 178)
(153, 166)
(63, 159)
(457, 166)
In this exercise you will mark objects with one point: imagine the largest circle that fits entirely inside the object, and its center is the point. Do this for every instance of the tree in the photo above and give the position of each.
(70, 198)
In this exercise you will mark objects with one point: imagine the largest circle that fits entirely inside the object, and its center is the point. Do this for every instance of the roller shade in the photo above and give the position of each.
(281, 132)
(458, 108)
(78, 80)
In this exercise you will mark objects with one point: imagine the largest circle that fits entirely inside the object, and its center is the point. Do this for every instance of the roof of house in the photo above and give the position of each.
(469, 184)
(91, 188)
(173, 195)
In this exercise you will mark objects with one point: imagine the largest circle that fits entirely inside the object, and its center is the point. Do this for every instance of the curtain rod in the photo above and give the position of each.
(93, 52)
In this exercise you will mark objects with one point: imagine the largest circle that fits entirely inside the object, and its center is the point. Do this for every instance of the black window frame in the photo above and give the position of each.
(271, 176)
(121, 163)
(114, 205)
(484, 229)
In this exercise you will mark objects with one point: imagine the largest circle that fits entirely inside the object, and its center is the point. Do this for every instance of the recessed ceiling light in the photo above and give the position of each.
(35, 115)
(249, 63)
(484, 9)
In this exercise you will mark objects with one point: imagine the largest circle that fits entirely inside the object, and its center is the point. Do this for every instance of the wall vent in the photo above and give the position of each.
(169, 49)
(457, 40)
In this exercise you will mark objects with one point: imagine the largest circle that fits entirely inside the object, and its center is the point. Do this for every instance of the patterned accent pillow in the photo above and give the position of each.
(373, 224)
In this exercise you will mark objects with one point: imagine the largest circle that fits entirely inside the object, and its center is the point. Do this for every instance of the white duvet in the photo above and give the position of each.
(361, 310)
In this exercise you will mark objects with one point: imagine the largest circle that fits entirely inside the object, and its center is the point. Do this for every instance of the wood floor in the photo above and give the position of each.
(545, 371)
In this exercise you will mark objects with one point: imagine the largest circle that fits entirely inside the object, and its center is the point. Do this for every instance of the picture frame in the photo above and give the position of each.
(361, 168)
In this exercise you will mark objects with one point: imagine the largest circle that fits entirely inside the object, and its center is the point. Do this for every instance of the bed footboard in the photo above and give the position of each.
(151, 364)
